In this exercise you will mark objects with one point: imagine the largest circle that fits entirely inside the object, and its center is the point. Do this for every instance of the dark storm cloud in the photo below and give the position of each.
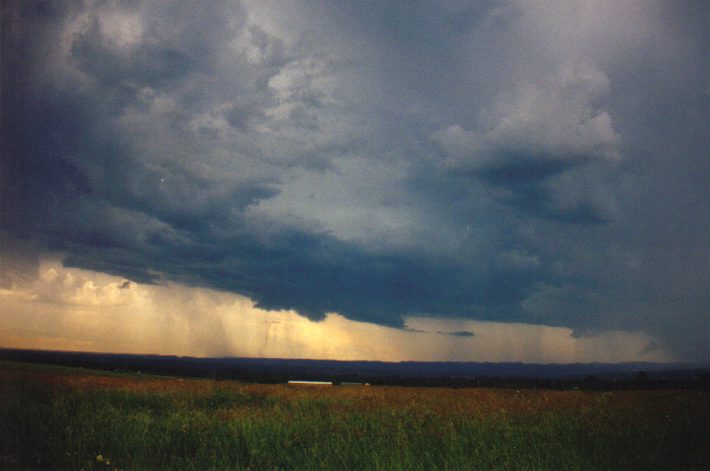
(174, 43)
(459, 333)
(83, 185)
(528, 188)
(313, 274)
(376, 161)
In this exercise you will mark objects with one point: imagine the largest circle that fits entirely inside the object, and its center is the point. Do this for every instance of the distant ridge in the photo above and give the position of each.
(406, 372)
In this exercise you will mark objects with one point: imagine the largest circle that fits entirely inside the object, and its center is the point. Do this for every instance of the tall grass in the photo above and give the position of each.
(133, 423)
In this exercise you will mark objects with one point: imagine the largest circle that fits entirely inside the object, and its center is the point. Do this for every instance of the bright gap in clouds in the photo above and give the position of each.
(80, 310)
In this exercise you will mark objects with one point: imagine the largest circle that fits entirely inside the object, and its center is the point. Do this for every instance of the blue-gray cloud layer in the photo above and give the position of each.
(534, 162)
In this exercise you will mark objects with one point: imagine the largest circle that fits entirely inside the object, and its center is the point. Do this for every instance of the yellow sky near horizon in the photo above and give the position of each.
(80, 310)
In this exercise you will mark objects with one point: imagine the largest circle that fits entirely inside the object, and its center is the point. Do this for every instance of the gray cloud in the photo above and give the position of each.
(459, 333)
(537, 143)
(518, 162)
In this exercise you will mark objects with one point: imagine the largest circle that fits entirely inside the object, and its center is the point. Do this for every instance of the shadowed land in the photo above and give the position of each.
(63, 417)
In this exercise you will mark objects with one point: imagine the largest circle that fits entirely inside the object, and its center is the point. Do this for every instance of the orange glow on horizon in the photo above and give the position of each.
(73, 309)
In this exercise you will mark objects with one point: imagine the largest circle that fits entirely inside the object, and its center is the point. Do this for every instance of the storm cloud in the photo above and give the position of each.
(541, 162)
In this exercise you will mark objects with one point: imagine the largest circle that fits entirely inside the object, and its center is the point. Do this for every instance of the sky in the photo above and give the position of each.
(443, 180)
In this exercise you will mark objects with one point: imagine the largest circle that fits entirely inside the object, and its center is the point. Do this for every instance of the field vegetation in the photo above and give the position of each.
(81, 419)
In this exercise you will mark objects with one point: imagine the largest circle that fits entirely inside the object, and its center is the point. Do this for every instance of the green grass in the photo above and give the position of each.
(50, 419)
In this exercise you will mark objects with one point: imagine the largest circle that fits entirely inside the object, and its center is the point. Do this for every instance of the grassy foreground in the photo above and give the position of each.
(71, 418)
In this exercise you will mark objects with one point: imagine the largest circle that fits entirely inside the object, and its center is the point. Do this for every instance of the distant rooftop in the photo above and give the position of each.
(318, 383)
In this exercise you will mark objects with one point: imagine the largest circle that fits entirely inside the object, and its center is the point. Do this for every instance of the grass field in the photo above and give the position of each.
(79, 419)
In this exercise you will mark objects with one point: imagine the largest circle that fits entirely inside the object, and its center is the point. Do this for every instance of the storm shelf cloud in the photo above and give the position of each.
(537, 163)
